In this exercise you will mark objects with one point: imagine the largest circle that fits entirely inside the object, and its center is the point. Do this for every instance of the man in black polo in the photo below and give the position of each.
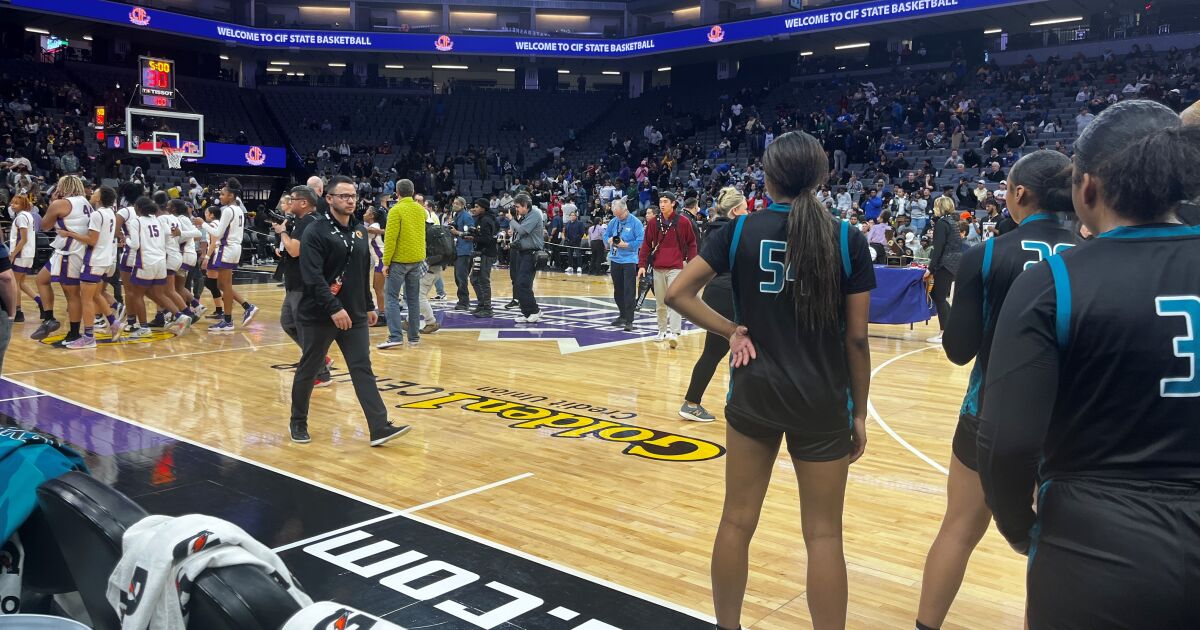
(335, 264)
(303, 206)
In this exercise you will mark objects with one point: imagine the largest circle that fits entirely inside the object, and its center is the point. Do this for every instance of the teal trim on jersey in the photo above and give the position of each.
(1035, 532)
(850, 409)
(1041, 216)
(1134, 231)
(988, 248)
(970, 403)
(729, 392)
(845, 240)
(737, 236)
(1062, 298)
(779, 207)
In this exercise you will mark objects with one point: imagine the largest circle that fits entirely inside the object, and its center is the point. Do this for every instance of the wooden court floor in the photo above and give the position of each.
(626, 491)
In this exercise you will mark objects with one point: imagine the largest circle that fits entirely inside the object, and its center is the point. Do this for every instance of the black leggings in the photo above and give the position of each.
(942, 279)
(715, 349)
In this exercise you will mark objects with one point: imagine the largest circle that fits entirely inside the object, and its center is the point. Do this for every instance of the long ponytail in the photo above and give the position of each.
(795, 166)
(811, 254)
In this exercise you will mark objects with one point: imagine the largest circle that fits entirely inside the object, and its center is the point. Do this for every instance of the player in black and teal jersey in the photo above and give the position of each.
(801, 368)
(1093, 391)
(1039, 196)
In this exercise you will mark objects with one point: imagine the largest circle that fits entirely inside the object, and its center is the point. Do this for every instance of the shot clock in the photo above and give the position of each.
(157, 82)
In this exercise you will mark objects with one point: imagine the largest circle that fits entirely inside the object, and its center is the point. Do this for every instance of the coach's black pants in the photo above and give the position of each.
(525, 264)
(1112, 553)
(942, 280)
(355, 345)
(624, 277)
(287, 321)
(462, 271)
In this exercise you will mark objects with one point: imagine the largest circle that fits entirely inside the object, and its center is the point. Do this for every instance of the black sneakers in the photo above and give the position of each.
(47, 326)
(387, 433)
(513, 303)
(619, 322)
(300, 434)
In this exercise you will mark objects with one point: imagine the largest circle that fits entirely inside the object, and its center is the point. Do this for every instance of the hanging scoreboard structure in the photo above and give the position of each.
(157, 82)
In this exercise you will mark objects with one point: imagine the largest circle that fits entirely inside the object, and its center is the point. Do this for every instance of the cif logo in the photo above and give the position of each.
(189, 148)
(716, 34)
(255, 156)
(444, 43)
(139, 16)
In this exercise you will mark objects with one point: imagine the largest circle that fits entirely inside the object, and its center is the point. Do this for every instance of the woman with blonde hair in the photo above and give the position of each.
(944, 259)
(718, 294)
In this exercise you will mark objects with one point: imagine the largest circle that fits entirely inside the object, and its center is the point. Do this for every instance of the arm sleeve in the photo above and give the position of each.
(227, 214)
(939, 244)
(862, 269)
(716, 249)
(644, 251)
(1022, 386)
(391, 233)
(611, 229)
(524, 226)
(487, 232)
(133, 235)
(187, 230)
(639, 234)
(689, 241)
(312, 271)
(964, 330)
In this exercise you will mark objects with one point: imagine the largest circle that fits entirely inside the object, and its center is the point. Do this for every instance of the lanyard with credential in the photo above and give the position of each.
(348, 241)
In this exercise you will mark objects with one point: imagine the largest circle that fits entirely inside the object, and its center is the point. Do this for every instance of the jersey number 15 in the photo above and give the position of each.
(1186, 347)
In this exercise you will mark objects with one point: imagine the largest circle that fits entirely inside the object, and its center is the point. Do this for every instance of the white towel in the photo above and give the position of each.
(161, 558)
(335, 616)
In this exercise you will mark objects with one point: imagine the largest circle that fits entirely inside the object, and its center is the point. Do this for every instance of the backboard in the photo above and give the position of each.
(148, 130)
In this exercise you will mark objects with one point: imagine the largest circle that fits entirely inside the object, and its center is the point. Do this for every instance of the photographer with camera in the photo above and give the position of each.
(303, 205)
(625, 234)
(529, 238)
(482, 235)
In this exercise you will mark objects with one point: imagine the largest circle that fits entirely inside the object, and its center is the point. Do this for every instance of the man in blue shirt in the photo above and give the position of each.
(624, 235)
(464, 252)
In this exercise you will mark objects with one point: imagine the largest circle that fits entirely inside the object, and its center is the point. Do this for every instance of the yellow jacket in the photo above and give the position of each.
(404, 237)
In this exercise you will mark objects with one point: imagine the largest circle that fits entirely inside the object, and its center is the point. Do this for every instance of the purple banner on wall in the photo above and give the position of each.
(715, 35)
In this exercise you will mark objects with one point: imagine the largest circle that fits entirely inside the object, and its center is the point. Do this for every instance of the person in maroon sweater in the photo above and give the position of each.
(669, 244)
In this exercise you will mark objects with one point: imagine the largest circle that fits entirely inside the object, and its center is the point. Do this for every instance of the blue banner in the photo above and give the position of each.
(221, 154)
(719, 34)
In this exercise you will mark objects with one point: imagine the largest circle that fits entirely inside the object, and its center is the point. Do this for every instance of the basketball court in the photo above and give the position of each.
(548, 481)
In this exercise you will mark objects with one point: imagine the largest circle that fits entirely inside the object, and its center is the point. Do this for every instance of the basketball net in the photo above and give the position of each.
(174, 156)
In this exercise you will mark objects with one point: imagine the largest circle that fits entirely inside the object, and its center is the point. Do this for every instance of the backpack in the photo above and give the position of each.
(439, 245)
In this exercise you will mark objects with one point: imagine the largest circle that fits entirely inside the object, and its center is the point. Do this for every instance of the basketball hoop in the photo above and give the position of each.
(174, 156)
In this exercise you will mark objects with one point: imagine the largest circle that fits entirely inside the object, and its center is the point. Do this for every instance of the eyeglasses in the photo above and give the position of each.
(345, 196)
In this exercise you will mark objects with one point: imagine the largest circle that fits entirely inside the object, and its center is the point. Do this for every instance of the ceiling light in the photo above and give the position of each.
(444, 67)
(556, 16)
(993, 31)
(564, 72)
(39, 31)
(394, 66)
(849, 46)
(224, 57)
(87, 38)
(1056, 21)
(336, 64)
(274, 69)
(611, 73)
(280, 63)
(299, 74)
(806, 53)
(665, 69)
(291, 74)
(506, 69)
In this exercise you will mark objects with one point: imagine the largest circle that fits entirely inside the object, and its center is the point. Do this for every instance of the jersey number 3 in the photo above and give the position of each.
(1186, 347)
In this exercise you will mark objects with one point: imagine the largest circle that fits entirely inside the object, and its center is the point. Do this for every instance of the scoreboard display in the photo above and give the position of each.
(157, 82)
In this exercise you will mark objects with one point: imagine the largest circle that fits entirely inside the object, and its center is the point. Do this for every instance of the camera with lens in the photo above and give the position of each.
(616, 239)
(276, 217)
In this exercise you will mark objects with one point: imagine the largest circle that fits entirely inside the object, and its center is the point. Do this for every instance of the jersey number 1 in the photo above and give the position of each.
(1186, 347)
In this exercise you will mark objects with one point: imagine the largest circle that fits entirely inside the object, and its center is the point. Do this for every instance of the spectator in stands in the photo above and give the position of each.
(1083, 119)
(995, 174)
(403, 265)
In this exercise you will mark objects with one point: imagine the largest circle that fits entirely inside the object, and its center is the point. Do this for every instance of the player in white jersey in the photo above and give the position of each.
(377, 279)
(22, 245)
(99, 255)
(208, 239)
(129, 192)
(188, 235)
(171, 234)
(148, 243)
(228, 252)
(69, 211)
